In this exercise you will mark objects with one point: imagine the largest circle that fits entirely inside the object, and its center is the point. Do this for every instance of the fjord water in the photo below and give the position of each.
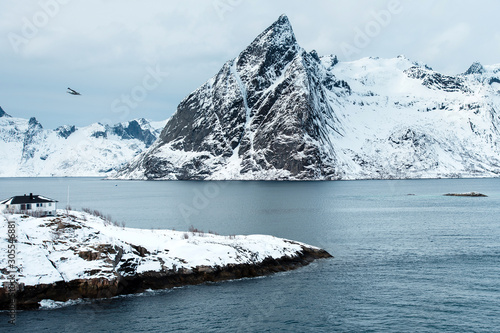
(407, 258)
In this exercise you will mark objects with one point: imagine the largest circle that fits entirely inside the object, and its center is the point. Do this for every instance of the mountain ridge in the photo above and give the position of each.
(29, 150)
(277, 112)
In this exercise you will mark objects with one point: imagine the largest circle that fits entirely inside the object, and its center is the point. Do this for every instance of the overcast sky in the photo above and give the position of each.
(132, 59)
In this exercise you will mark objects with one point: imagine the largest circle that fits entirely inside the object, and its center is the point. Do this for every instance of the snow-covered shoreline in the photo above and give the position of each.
(78, 255)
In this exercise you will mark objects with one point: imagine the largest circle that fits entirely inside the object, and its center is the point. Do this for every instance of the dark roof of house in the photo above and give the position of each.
(25, 199)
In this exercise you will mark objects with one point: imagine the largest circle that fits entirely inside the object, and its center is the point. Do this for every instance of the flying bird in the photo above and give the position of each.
(72, 92)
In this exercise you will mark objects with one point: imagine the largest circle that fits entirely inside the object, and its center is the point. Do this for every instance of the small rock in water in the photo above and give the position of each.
(469, 194)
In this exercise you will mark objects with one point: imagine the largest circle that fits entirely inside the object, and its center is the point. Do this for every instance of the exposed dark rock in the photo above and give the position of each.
(3, 113)
(129, 131)
(33, 134)
(100, 134)
(28, 297)
(133, 130)
(437, 81)
(65, 131)
(494, 80)
(139, 250)
(475, 68)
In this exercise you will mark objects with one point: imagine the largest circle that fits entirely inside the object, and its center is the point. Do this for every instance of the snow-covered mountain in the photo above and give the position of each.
(29, 150)
(279, 112)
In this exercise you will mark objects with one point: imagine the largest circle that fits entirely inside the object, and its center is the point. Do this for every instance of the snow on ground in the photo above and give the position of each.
(77, 245)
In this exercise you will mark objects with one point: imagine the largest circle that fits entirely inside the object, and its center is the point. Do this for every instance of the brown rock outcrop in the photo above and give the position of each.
(28, 297)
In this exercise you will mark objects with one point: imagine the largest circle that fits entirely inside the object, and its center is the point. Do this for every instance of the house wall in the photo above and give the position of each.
(46, 208)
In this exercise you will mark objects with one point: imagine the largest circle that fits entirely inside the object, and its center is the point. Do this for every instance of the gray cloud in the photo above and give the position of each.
(104, 47)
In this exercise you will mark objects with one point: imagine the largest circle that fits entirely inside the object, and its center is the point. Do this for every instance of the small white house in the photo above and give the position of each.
(35, 205)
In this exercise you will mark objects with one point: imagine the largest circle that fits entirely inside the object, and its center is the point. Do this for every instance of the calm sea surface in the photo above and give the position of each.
(403, 263)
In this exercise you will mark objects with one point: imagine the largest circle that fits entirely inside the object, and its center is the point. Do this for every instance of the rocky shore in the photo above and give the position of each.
(80, 256)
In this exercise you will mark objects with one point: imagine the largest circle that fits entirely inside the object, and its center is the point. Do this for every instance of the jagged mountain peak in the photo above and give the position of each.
(280, 32)
(277, 43)
(33, 122)
(265, 59)
(3, 113)
(475, 68)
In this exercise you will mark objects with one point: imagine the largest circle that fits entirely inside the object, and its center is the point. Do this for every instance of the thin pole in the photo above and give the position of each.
(67, 199)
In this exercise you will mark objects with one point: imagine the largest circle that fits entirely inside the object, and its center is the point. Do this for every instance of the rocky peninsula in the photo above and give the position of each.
(77, 255)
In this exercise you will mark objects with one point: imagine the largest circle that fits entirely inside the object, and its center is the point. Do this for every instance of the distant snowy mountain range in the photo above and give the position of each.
(29, 150)
(279, 112)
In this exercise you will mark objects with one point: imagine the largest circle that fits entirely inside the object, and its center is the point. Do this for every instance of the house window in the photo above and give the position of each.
(28, 206)
(23, 206)
(50, 203)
